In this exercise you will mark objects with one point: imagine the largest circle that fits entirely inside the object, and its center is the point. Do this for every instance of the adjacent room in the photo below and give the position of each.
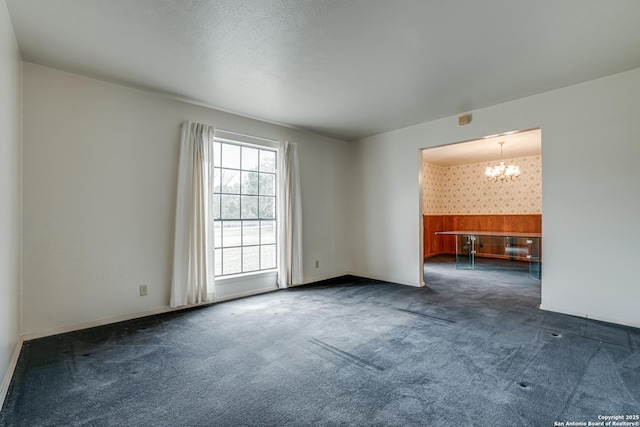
(294, 213)
(482, 208)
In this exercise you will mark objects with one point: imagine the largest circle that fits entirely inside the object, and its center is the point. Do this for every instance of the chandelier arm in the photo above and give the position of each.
(502, 173)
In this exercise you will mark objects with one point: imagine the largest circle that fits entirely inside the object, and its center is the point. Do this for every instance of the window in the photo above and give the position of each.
(245, 208)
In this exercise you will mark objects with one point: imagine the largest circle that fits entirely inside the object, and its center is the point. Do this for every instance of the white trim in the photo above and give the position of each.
(421, 185)
(21, 207)
(244, 276)
(225, 135)
(593, 316)
(166, 309)
(316, 279)
(4, 389)
(246, 294)
(383, 279)
(161, 310)
(78, 326)
(242, 285)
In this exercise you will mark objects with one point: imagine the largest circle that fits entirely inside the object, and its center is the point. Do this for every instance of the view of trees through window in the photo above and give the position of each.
(245, 208)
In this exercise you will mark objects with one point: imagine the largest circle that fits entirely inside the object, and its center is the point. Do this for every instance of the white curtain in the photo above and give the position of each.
(193, 258)
(290, 218)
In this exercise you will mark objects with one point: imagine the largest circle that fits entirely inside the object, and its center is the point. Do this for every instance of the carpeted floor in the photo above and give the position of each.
(472, 348)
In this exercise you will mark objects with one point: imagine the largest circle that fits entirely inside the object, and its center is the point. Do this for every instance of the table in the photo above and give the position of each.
(516, 244)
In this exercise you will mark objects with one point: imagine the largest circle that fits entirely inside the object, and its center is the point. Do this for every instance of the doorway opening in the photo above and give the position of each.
(478, 225)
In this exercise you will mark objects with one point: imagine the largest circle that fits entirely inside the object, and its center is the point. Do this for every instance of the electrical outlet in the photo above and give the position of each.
(143, 290)
(317, 264)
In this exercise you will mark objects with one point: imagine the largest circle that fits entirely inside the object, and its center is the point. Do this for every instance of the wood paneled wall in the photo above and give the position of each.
(436, 245)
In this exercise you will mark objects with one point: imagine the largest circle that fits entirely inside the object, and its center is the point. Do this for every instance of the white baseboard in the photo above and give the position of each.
(592, 315)
(116, 319)
(166, 309)
(78, 326)
(246, 294)
(386, 279)
(315, 279)
(4, 389)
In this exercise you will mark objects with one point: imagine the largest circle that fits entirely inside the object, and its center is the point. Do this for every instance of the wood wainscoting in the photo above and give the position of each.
(437, 245)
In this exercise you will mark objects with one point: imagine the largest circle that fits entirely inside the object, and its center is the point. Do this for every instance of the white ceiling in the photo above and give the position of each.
(344, 68)
(516, 144)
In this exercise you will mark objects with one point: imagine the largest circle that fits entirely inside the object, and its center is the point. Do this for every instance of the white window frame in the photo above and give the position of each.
(242, 284)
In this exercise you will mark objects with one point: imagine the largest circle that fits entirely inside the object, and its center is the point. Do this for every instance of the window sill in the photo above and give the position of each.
(247, 276)
(246, 284)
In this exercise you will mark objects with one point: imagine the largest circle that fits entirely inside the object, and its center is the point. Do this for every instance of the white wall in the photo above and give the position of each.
(590, 196)
(10, 216)
(100, 168)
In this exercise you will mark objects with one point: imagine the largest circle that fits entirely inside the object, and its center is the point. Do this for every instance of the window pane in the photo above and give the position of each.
(218, 262)
(216, 180)
(267, 161)
(244, 203)
(216, 206)
(250, 158)
(250, 232)
(231, 261)
(251, 258)
(230, 181)
(267, 232)
(230, 207)
(267, 184)
(230, 156)
(217, 234)
(249, 207)
(231, 233)
(267, 207)
(267, 257)
(250, 183)
(216, 154)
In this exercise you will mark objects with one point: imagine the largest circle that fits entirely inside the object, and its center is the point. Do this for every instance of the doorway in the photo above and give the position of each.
(493, 223)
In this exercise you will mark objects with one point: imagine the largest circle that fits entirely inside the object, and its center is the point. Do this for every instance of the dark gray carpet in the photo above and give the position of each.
(470, 349)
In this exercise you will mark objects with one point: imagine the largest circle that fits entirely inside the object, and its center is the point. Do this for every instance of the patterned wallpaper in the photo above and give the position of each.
(464, 190)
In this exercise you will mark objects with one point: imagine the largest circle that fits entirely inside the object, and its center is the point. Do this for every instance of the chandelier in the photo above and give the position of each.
(502, 173)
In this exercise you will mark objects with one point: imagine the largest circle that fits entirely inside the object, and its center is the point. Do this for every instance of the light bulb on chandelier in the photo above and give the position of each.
(502, 173)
